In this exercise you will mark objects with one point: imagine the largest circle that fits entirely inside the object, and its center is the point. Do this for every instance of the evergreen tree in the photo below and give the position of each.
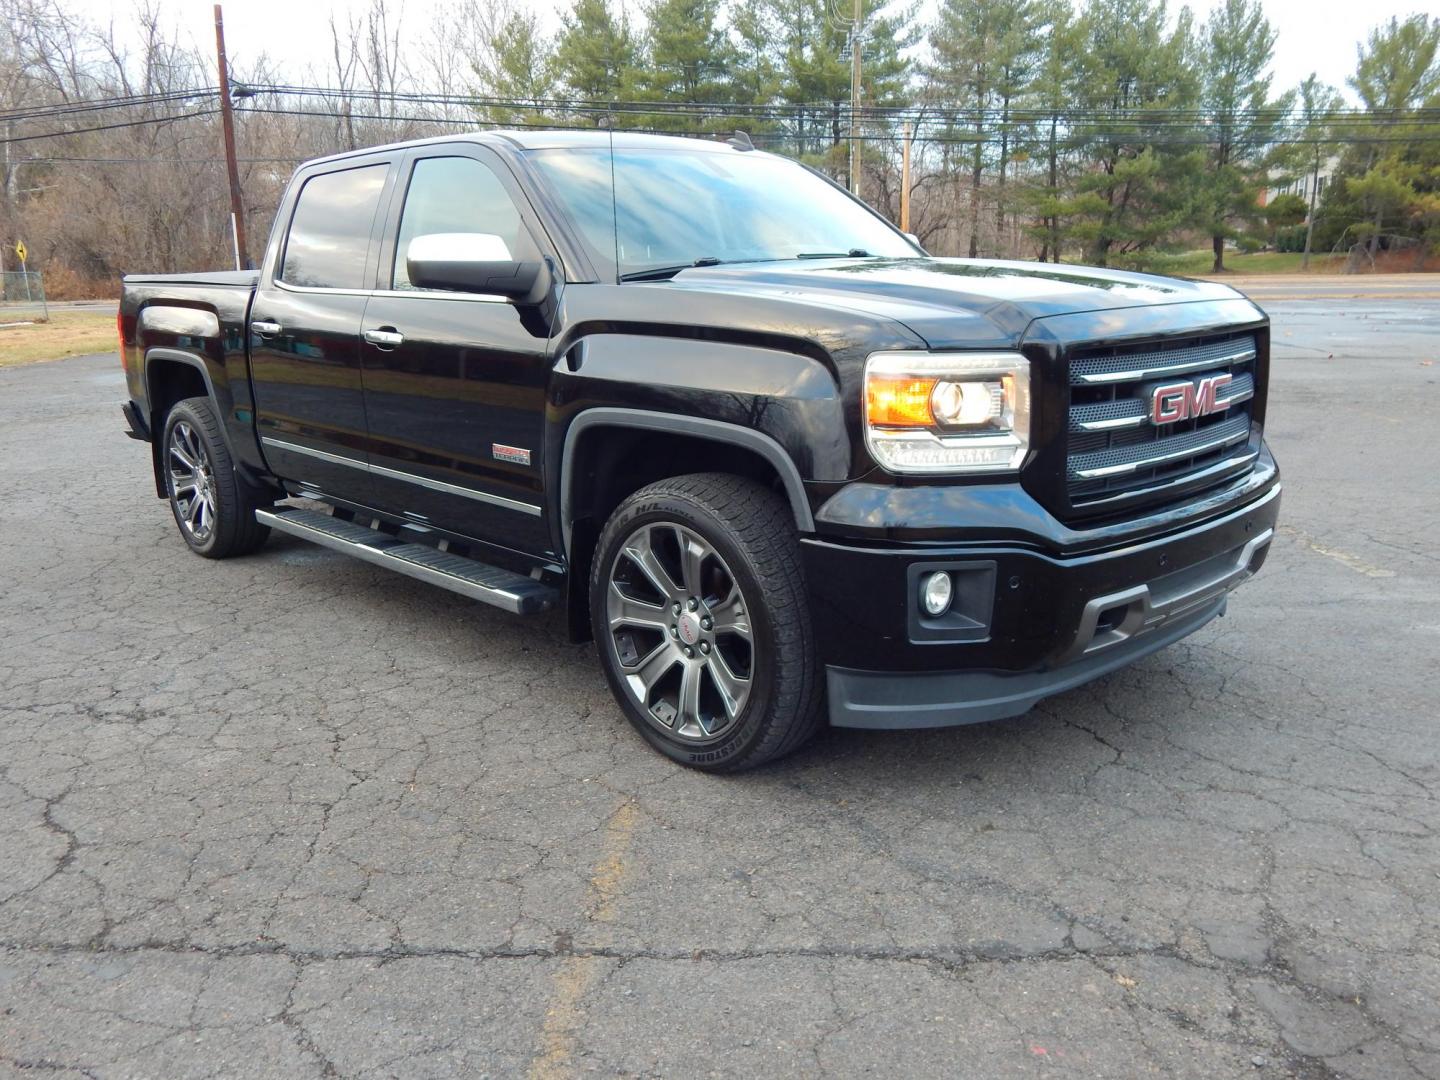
(1052, 91)
(1236, 44)
(690, 60)
(1398, 72)
(755, 75)
(520, 68)
(596, 56)
(1134, 191)
(985, 56)
(815, 71)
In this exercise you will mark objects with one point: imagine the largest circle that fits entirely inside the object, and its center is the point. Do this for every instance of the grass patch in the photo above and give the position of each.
(1198, 263)
(68, 333)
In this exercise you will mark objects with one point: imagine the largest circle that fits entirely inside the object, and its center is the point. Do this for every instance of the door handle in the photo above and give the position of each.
(386, 337)
(263, 328)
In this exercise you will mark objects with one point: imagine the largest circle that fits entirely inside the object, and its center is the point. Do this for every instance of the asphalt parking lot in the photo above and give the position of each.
(293, 816)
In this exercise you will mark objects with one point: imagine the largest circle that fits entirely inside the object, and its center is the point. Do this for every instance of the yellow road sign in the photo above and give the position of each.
(21, 250)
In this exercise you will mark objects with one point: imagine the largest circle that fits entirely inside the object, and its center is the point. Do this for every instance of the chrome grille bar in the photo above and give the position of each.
(1095, 371)
(1107, 463)
(1134, 412)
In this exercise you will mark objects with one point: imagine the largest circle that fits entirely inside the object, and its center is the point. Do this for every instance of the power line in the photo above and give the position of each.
(942, 124)
(925, 110)
(71, 108)
(111, 127)
(72, 160)
(782, 137)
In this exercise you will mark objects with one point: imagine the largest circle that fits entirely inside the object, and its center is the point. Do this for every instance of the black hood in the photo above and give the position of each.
(952, 303)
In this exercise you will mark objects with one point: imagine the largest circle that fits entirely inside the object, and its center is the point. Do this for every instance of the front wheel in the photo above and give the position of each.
(699, 610)
(213, 507)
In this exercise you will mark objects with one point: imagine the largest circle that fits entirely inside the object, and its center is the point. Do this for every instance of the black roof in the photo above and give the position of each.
(545, 139)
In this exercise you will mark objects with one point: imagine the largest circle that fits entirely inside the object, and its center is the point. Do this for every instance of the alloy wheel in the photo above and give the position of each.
(680, 628)
(192, 481)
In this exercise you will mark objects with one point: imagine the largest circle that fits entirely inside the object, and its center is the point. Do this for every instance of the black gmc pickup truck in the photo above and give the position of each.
(782, 465)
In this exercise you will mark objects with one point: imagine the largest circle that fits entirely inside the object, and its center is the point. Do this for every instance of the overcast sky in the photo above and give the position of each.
(1314, 35)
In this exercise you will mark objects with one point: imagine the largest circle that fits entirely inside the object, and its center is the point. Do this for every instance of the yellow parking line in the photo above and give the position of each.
(1344, 558)
(559, 1037)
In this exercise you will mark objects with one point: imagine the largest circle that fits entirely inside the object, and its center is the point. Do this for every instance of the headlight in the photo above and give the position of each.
(947, 412)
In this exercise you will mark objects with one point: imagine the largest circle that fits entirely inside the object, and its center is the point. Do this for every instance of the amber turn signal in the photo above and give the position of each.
(898, 402)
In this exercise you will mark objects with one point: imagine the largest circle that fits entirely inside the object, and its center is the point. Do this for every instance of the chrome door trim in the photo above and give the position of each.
(455, 489)
(296, 448)
(411, 478)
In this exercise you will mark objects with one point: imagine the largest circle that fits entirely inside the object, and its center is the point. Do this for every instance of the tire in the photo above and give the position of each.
(214, 509)
(725, 550)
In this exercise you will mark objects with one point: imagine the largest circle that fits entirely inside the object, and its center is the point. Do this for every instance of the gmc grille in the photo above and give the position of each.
(1117, 454)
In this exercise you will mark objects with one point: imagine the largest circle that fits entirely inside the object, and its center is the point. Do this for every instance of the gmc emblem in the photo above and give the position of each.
(1174, 402)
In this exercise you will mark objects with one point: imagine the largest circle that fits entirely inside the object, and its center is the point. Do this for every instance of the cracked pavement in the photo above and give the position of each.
(292, 815)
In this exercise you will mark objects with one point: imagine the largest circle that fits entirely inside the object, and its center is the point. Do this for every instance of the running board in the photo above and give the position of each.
(479, 581)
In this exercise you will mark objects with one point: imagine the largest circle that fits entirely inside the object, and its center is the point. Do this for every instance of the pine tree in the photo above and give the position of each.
(755, 75)
(596, 56)
(1134, 192)
(985, 55)
(690, 59)
(1237, 44)
(1052, 91)
(520, 69)
(1398, 71)
(815, 73)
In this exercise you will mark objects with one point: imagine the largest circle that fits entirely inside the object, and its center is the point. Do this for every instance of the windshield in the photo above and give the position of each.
(674, 207)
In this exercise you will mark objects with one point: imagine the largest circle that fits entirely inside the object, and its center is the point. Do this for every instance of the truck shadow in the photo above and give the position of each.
(1065, 738)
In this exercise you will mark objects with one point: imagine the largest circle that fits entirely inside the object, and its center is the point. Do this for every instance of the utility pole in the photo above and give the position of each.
(905, 177)
(227, 122)
(856, 37)
(1310, 217)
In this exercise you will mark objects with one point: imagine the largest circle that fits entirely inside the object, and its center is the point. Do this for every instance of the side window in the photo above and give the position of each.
(330, 231)
(455, 195)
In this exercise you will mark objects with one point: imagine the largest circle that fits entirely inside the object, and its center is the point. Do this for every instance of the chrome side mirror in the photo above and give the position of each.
(474, 263)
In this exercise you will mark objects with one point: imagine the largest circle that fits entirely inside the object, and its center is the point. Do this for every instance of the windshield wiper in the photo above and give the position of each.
(853, 253)
(661, 273)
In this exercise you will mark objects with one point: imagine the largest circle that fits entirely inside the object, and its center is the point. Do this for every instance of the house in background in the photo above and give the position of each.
(1300, 185)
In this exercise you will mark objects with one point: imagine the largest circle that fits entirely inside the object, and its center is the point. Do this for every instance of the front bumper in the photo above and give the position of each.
(1048, 623)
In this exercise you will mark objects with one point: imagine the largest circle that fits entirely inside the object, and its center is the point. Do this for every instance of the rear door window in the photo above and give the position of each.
(330, 229)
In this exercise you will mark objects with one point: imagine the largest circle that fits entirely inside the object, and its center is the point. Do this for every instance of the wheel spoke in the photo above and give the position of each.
(730, 616)
(182, 483)
(626, 611)
(733, 689)
(192, 442)
(184, 458)
(689, 699)
(640, 552)
(192, 511)
(692, 563)
(651, 669)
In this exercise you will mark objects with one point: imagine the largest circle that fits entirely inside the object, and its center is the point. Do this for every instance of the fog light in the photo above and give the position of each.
(936, 592)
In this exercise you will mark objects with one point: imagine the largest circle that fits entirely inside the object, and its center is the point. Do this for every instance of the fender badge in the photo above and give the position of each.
(510, 453)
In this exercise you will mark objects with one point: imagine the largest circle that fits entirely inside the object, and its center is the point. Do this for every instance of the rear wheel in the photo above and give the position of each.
(213, 507)
(699, 609)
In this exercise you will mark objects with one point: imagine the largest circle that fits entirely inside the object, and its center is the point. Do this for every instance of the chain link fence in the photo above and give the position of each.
(22, 296)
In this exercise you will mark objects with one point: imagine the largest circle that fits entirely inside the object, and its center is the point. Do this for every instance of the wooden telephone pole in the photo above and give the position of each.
(227, 122)
(905, 177)
(855, 39)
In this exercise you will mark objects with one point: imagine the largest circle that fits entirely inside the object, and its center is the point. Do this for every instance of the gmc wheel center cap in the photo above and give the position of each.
(689, 628)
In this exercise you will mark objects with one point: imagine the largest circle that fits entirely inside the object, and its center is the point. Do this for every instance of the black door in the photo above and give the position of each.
(305, 332)
(455, 383)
